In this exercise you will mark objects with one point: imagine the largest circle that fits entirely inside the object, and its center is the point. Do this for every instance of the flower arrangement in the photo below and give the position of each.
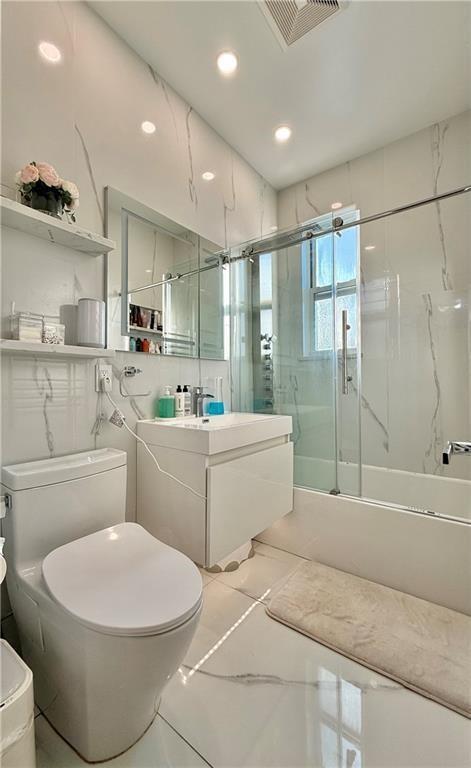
(42, 188)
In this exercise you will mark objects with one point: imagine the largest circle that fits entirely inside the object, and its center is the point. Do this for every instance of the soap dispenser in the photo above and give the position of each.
(167, 404)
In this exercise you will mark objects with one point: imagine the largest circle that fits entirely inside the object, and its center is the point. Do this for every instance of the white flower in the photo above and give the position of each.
(73, 205)
(71, 188)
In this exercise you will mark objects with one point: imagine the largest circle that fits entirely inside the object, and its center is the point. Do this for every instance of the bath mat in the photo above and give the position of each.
(421, 645)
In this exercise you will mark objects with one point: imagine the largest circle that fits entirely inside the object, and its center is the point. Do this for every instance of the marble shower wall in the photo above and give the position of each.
(415, 296)
(84, 117)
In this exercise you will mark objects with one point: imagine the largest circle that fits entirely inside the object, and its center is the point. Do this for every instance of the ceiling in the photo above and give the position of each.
(376, 71)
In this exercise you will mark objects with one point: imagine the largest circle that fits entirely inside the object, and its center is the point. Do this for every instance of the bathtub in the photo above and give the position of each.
(446, 496)
(425, 555)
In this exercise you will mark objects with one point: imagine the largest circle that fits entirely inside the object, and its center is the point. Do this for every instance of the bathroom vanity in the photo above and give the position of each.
(239, 469)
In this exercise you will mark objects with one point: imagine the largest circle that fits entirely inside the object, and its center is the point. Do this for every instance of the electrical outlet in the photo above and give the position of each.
(103, 377)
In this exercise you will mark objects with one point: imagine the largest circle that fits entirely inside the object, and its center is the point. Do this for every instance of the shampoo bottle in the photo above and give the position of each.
(179, 402)
(187, 399)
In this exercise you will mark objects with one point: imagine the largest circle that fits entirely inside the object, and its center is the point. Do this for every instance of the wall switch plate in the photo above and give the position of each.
(103, 377)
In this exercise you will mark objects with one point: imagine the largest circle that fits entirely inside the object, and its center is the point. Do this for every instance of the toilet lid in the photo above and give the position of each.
(123, 581)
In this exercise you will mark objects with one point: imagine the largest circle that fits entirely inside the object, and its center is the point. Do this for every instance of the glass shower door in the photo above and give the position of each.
(304, 360)
(294, 348)
(282, 357)
(346, 307)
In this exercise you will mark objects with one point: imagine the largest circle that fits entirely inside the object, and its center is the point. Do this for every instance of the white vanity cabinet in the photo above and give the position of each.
(239, 465)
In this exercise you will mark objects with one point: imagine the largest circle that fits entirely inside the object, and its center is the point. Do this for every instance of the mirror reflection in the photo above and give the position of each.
(167, 286)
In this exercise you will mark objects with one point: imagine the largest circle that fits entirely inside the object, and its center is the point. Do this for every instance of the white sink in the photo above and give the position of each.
(214, 434)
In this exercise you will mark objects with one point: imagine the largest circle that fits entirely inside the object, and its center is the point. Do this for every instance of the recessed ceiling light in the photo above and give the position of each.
(227, 63)
(50, 52)
(208, 175)
(148, 127)
(336, 206)
(370, 247)
(148, 271)
(283, 133)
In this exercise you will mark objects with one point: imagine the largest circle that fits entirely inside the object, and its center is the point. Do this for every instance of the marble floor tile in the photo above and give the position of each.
(207, 577)
(222, 608)
(261, 572)
(253, 692)
(160, 747)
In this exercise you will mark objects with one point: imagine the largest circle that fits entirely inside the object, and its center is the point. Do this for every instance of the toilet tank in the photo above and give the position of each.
(54, 501)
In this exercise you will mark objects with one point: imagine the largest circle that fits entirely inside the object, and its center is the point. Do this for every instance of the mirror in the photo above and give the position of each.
(167, 288)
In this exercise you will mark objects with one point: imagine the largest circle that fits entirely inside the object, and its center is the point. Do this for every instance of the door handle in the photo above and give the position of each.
(345, 328)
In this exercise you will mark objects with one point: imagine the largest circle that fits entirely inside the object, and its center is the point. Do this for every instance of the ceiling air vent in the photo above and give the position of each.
(292, 19)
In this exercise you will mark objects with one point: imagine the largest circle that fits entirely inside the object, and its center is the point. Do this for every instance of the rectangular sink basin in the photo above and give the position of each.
(214, 434)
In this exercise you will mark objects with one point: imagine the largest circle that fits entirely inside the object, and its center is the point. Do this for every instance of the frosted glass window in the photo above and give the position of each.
(319, 256)
(322, 325)
(346, 255)
(324, 261)
(265, 278)
(266, 321)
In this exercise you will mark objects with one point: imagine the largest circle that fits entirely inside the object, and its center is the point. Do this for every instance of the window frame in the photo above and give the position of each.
(313, 293)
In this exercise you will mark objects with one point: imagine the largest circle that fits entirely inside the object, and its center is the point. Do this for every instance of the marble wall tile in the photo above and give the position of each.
(414, 296)
(84, 117)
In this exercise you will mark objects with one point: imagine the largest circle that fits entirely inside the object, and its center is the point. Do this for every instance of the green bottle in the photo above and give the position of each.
(167, 404)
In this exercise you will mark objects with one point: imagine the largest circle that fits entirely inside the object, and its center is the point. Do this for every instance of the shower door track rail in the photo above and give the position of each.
(401, 507)
(309, 231)
(298, 235)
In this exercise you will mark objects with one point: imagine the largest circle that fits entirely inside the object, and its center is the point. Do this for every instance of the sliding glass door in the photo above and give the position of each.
(295, 349)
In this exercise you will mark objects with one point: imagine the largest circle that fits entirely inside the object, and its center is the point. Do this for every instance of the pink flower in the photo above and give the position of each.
(48, 175)
(28, 175)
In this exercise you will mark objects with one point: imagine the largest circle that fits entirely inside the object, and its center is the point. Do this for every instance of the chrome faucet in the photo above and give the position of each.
(200, 398)
(455, 446)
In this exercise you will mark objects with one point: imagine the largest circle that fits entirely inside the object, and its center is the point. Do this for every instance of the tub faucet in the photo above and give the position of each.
(455, 446)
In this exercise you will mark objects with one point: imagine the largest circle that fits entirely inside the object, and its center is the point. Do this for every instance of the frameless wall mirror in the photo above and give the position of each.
(167, 288)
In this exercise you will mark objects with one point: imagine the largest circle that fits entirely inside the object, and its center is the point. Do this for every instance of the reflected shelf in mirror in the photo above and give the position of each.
(157, 266)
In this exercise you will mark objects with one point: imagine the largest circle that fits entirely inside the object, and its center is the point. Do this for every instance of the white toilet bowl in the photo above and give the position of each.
(105, 619)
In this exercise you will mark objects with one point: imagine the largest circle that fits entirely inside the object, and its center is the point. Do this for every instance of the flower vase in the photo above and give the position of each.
(46, 202)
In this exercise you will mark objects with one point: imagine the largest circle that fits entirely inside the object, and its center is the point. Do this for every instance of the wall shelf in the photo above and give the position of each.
(19, 216)
(36, 349)
(142, 331)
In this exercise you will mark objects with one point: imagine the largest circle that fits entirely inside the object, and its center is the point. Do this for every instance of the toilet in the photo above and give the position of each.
(105, 611)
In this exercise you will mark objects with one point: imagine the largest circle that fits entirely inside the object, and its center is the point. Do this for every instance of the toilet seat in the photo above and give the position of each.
(124, 581)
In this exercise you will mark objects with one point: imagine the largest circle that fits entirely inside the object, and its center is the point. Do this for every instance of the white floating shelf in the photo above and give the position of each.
(21, 217)
(36, 349)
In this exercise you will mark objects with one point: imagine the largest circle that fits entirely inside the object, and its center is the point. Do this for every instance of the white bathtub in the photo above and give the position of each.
(427, 556)
(447, 496)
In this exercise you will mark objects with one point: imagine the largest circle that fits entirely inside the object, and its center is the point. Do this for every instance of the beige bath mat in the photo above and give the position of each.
(422, 645)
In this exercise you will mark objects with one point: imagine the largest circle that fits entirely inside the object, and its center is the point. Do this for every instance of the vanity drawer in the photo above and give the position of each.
(245, 496)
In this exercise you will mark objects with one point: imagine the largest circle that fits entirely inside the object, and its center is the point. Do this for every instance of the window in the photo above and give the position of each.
(266, 291)
(317, 285)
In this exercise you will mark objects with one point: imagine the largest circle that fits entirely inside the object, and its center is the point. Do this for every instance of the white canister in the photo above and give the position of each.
(91, 323)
